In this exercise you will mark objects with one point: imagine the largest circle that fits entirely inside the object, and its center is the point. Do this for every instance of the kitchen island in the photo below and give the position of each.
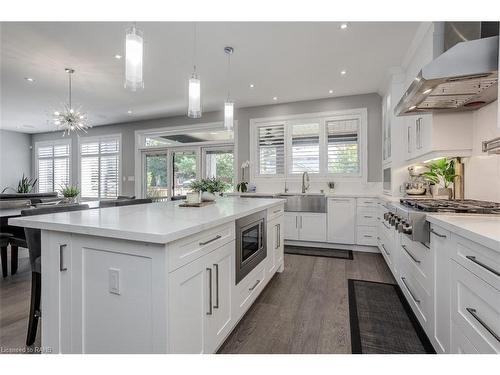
(154, 278)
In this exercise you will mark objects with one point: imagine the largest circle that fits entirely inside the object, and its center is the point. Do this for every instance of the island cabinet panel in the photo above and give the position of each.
(103, 295)
(200, 314)
(275, 238)
(341, 220)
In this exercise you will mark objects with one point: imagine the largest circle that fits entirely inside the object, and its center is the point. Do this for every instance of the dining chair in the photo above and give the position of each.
(4, 242)
(123, 202)
(33, 239)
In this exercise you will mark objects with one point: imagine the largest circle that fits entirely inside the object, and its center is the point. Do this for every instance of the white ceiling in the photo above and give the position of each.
(292, 61)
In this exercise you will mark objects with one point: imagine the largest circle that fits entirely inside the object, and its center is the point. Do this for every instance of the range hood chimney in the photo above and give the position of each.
(464, 77)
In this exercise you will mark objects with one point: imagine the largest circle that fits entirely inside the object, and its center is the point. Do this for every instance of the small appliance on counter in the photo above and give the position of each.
(417, 185)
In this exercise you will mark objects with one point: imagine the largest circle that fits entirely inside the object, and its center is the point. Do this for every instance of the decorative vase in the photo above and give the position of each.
(207, 196)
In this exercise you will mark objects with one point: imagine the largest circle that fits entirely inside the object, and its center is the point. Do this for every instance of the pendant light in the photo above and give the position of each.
(134, 44)
(70, 119)
(194, 101)
(228, 104)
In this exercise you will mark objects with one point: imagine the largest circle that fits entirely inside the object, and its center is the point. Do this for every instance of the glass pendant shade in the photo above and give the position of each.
(228, 115)
(194, 105)
(134, 43)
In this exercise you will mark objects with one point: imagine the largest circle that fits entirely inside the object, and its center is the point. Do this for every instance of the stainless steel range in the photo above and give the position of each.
(409, 215)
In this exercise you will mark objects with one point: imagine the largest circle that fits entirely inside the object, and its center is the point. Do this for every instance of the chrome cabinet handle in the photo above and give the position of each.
(438, 234)
(366, 235)
(254, 286)
(410, 254)
(216, 266)
(211, 240)
(276, 211)
(61, 258)
(473, 312)
(277, 226)
(209, 291)
(368, 217)
(301, 222)
(481, 264)
(403, 279)
(279, 235)
(383, 247)
(296, 221)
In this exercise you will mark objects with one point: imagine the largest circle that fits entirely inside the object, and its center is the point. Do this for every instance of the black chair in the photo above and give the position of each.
(33, 239)
(130, 202)
(126, 197)
(4, 242)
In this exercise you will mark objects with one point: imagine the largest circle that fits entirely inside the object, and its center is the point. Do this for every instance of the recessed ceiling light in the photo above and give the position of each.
(343, 72)
(275, 98)
(412, 107)
(330, 91)
(427, 91)
(252, 85)
(343, 26)
(29, 79)
(118, 57)
(129, 111)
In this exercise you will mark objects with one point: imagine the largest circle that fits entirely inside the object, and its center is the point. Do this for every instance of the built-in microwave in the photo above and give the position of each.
(387, 186)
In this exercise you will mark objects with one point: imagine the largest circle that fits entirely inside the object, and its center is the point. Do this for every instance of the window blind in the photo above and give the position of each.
(305, 148)
(53, 167)
(343, 146)
(100, 168)
(271, 142)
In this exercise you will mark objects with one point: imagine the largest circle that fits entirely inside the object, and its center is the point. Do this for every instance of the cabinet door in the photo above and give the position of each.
(341, 220)
(272, 241)
(279, 243)
(291, 226)
(220, 322)
(312, 227)
(189, 306)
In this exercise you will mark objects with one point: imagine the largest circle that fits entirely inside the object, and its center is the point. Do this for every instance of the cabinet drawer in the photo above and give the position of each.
(275, 212)
(459, 343)
(366, 216)
(417, 297)
(187, 249)
(366, 236)
(384, 247)
(367, 202)
(419, 261)
(475, 309)
(249, 288)
(480, 260)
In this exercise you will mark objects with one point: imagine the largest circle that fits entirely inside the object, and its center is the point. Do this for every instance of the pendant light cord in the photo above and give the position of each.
(195, 43)
(70, 90)
(228, 76)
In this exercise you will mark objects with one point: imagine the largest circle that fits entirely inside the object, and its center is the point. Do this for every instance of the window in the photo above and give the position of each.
(343, 146)
(100, 167)
(156, 166)
(305, 148)
(271, 144)
(53, 166)
(185, 171)
(219, 162)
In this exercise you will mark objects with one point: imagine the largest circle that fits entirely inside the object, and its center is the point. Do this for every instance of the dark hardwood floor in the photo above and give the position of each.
(305, 309)
(14, 309)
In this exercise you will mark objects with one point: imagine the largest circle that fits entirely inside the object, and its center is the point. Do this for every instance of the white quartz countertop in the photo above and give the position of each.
(159, 223)
(482, 229)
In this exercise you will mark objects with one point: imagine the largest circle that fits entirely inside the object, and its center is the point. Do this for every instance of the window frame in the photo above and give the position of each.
(99, 138)
(322, 117)
(52, 143)
(203, 155)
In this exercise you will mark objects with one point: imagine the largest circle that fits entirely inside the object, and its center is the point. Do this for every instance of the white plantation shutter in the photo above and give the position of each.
(100, 168)
(53, 166)
(343, 146)
(271, 144)
(305, 148)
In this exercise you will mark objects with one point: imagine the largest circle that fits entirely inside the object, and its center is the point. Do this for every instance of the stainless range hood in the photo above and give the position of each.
(465, 77)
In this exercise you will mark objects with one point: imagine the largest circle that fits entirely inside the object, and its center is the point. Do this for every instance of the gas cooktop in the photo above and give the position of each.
(467, 206)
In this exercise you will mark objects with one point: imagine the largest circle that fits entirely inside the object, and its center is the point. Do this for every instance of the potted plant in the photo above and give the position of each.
(207, 187)
(243, 185)
(25, 185)
(70, 193)
(441, 174)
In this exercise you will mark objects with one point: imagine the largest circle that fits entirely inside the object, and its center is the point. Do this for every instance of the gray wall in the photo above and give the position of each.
(370, 101)
(15, 157)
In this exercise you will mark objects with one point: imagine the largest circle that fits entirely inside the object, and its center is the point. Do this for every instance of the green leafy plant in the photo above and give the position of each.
(212, 185)
(441, 171)
(69, 191)
(25, 185)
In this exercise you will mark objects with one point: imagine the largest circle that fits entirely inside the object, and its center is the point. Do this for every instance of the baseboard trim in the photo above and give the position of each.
(360, 248)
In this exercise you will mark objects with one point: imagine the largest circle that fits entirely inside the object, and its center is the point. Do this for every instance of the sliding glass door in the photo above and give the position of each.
(219, 162)
(185, 171)
(156, 175)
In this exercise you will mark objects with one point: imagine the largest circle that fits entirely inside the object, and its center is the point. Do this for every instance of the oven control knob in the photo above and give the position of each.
(401, 225)
(407, 229)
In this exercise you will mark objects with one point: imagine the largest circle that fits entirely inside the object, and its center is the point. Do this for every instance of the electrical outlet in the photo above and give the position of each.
(114, 280)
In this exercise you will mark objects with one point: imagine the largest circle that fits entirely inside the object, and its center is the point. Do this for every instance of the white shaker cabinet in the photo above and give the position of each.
(275, 245)
(341, 220)
(200, 302)
(305, 226)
